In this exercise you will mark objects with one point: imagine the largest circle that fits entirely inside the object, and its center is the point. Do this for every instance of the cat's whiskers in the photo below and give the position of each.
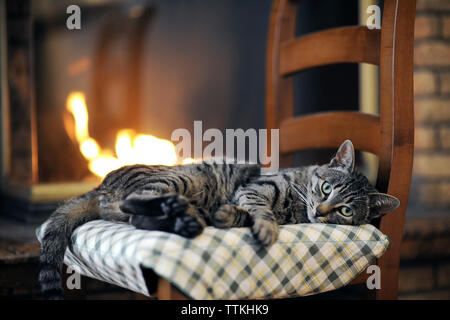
(302, 197)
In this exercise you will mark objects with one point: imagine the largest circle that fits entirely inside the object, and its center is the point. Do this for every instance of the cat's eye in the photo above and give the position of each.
(346, 211)
(326, 188)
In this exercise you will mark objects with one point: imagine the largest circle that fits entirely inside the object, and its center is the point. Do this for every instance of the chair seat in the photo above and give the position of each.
(226, 263)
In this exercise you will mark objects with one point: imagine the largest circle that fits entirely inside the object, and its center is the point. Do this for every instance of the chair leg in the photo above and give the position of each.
(166, 291)
(389, 281)
(389, 286)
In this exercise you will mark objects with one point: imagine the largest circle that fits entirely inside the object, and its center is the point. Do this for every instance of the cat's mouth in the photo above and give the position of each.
(311, 216)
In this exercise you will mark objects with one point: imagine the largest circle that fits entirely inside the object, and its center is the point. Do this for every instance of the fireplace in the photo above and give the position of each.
(77, 103)
(71, 101)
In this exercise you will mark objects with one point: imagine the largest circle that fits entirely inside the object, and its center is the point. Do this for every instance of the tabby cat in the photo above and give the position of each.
(184, 199)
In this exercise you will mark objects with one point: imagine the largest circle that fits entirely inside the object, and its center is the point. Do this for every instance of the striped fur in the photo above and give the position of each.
(295, 195)
(175, 199)
(184, 199)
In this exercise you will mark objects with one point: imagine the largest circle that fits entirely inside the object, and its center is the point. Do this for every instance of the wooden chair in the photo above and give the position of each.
(389, 135)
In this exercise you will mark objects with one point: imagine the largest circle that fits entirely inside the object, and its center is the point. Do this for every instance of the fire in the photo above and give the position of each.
(130, 147)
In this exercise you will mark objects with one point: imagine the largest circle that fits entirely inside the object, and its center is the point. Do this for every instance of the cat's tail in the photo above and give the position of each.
(62, 223)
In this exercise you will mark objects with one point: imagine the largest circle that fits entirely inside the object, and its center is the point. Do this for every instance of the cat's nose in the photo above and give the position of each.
(322, 210)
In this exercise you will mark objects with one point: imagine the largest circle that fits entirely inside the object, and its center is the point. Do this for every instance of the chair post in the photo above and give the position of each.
(279, 89)
(166, 291)
(397, 129)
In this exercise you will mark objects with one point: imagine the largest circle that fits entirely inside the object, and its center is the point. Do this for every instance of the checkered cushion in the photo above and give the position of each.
(226, 264)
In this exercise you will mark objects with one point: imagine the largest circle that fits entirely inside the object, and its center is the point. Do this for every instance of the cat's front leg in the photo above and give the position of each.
(264, 228)
(257, 199)
(230, 215)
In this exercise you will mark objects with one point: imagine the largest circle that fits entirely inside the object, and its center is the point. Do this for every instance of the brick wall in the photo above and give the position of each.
(430, 193)
(425, 281)
(425, 259)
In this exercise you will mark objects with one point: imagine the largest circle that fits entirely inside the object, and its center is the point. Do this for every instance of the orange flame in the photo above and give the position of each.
(131, 148)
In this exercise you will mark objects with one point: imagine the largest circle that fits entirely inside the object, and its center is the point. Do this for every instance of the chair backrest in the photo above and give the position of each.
(389, 135)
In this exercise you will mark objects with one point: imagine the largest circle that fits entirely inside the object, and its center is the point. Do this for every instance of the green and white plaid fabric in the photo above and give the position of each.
(227, 264)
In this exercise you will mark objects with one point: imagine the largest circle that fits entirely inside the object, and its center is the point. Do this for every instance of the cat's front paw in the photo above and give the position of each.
(265, 231)
(224, 216)
(187, 226)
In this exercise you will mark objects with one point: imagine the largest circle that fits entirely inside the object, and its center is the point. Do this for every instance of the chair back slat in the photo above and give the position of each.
(329, 129)
(337, 45)
(281, 29)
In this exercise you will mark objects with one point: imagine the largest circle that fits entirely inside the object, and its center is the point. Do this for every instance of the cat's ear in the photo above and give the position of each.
(345, 157)
(381, 203)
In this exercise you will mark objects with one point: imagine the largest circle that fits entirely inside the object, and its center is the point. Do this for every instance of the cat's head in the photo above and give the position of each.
(338, 194)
